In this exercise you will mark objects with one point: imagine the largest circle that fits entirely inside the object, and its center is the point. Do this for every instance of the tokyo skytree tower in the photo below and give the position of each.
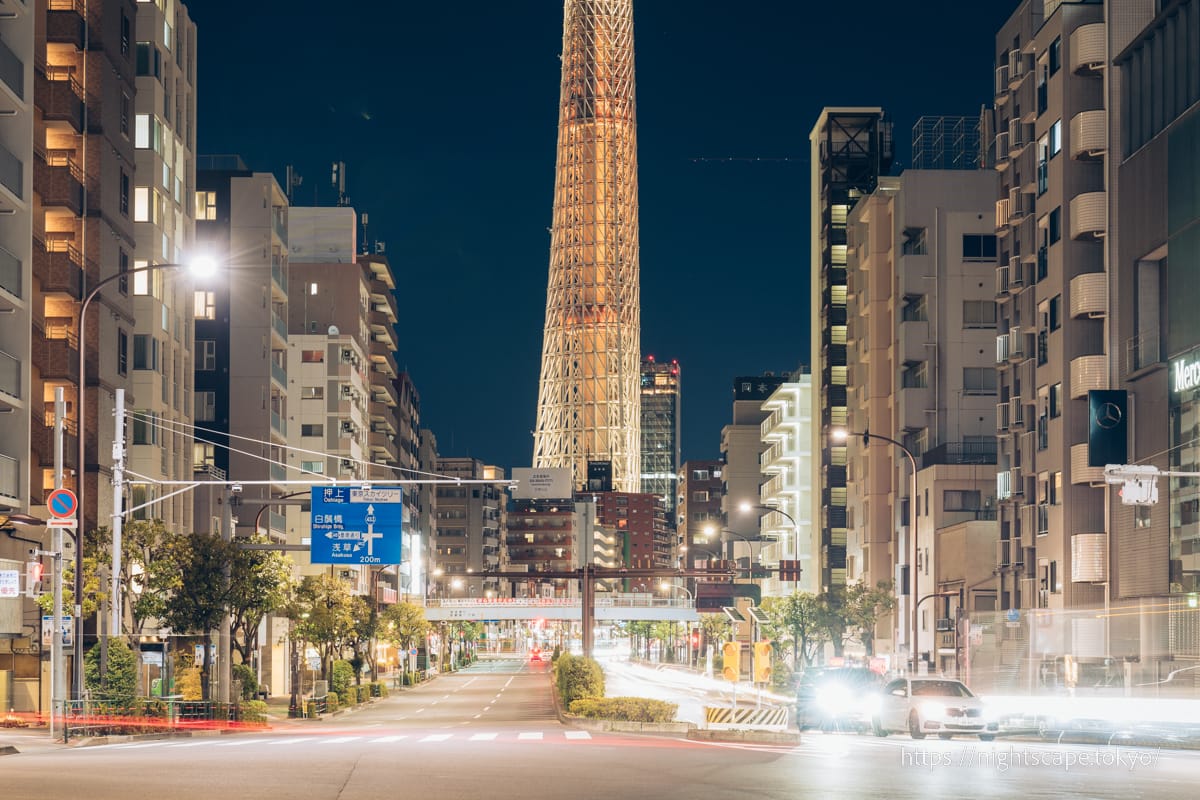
(591, 351)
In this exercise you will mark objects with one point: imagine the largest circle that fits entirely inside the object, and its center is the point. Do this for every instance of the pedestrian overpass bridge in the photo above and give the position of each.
(607, 609)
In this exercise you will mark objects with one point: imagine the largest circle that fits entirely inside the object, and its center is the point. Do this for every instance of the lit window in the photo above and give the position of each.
(141, 204)
(206, 206)
(206, 305)
(141, 280)
(141, 131)
(312, 288)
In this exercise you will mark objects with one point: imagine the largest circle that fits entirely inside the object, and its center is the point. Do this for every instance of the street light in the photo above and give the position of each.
(666, 586)
(746, 507)
(201, 267)
(841, 435)
(709, 530)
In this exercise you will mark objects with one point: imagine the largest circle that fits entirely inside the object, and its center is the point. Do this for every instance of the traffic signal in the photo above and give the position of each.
(33, 578)
(762, 662)
(731, 664)
(696, 639)
(789, 571)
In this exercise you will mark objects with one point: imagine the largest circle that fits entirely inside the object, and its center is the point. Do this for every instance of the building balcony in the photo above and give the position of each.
(1002, 416)
(59, 180)
(66, 23)
(1000, 89)
(1142, 351)
(10, 381)
(1089, 558)
(1089, 135)
(385, 595)
(1088, 47)
(1020, 136)
(279, 375)
(11, 277)
(278, 424)
(41, 439)
(1002, 214)
(1020, 64)
(60, 100)
(1088, 373)
(1000, 150)
(279, 327)
(12, 74)
(55, 351)
(279, 276)
(10, 482)
(59, 266)
(1089, 215)
(386, 443)
(1089, 295)
(1081, 473)
(960, 453)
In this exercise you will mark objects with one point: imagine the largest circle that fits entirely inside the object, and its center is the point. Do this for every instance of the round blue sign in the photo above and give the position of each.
(1013, 615)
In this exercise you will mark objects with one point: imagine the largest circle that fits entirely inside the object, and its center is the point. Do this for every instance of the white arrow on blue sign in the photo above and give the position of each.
(356, 525)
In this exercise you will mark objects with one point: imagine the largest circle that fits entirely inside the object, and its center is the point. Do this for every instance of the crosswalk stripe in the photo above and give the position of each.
(436, 737)
(483, 737)
(578, 735)
(530, 736)
(385, 739)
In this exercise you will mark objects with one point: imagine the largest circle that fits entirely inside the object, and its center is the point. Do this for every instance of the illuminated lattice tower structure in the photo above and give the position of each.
(588, 394)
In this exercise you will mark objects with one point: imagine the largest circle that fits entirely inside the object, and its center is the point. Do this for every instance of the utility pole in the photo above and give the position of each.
(224, 660)
(56, 638)
(118, 478)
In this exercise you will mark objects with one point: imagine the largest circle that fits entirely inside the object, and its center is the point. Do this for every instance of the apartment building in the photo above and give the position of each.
(741, 452)
(470, 531)
(921, 264)
(699, 508)
(786, 467)
(661, 421)
(851, 148)
(165, 301)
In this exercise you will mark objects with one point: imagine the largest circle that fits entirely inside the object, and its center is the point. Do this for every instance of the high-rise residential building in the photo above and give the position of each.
(1146, 53)
(25, 286)
(741, 474)
(701, 488)
(588, 393)
(422, 578)
(644, 538)
(661, 418)
(786, 467)
(83, 232)
(160, 400)
(418, 498)
(851, 148)
(469, 541)
(1051, 224)
(921, 260)
(243, 400)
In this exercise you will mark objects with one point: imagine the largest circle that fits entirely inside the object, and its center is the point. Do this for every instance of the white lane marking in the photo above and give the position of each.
(510, 680)
(239, 742)
(341, 739)
(578, 735)
(436, 737)
(190, 744)
(294, 740)
(445, 697)
(419, 710)
(132, 746)
(477, 716)
(468, 683)
(483, 737)
(372, 725)
(386, 739)
(530, 736)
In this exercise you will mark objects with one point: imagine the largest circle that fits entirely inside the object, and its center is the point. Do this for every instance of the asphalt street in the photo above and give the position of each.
(490, 732)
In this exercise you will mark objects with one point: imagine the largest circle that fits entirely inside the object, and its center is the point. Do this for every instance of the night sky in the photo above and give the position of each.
(446, 116)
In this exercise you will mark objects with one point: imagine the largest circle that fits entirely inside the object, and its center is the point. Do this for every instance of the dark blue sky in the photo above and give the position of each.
(446, 116)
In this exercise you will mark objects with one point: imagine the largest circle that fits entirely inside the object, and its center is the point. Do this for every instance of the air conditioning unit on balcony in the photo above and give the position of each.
(347, 356)
(945, 624)
(347, 390)
(347, 428)
(347, 465)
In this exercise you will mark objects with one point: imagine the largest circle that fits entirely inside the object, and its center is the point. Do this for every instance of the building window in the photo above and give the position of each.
(979, 314)
(312, 356)
(979, 380)
(1054, 314)
(206, 206)
(122, 352)
(1055, 400)
(203, 456)
(206, 355)
(1056, 488)
(313, 466)
(123, 267)
(700, 497)
(1055, 138)
(312, 393)
(126, 35)
(145, 352)
(124, 193)
(206, 406)
(1043, 167)
(914, 242)
(145, 427)
(915, 376)
(914, 309)
(126, 110)
(312, 430)
(141, 204)
(1054, 226)
(1055, 58)
(978, 247)
(699, 474)
(205, 305)
(961, 500)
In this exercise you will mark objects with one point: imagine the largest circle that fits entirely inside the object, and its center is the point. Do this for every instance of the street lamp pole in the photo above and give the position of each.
(795, 549)
(201, 267)
(841, 435)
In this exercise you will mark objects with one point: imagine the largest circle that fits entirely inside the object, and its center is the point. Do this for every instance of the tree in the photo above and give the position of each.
(833, 616)
(259, 583)
(322, 614)
(716, 627)
(119, 678)
(801, 619)
(186, 588)
(864, 607)
(404, 625)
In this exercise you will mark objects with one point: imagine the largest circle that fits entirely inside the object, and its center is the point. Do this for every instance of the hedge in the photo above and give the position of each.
(253, 711)
(331, 702)
(364, 692)
(578, 677)
(625, 709)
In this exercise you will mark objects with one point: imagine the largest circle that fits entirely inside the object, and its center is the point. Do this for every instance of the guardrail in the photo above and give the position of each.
(147, 715)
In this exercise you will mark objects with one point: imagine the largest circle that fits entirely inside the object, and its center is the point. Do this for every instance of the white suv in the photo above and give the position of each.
(932, 705)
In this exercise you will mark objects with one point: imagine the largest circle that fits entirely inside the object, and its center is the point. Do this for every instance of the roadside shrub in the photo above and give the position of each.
(578, 677)
(625, 709)
(331, 702)
(244, 673)
(364, 693)
(310, 710)
(342, 677)
(253, 711)
(557, 652)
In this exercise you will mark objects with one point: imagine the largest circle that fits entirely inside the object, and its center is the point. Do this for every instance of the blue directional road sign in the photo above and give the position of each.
(355, 526)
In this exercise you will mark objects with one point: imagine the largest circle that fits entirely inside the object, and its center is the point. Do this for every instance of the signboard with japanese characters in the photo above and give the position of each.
(352, 525)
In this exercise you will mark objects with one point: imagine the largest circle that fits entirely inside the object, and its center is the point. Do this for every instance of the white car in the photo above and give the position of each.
(932, 705)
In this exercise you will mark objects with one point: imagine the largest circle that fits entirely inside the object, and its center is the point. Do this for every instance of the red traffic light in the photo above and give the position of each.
(695, 639)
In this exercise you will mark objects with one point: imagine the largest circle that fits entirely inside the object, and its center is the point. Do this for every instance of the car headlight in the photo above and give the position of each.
(870, 705)
(933, 710)
(833, 699)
